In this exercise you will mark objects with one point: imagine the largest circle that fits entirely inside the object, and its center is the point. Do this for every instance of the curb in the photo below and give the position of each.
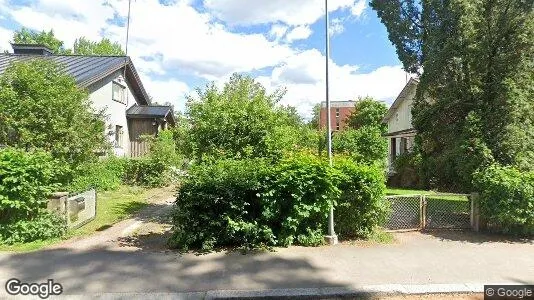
(296, 293)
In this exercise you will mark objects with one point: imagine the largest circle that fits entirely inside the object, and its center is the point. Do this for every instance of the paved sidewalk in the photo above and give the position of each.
(416, 260)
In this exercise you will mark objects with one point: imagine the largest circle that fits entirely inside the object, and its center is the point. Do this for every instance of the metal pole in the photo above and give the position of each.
(126, 48)
(331, 238)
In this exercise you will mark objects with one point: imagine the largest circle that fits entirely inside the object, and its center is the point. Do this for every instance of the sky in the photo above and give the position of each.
(178, 46)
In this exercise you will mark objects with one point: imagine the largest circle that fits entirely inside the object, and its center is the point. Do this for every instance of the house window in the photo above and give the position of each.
(337, 112)
(119, 135)
(119, 92)
(337, 125)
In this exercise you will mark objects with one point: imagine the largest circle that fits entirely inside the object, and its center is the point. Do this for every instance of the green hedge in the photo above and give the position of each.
(105, 174)
(26, 181)
(507, 199)
(361, 206)
(255, 203)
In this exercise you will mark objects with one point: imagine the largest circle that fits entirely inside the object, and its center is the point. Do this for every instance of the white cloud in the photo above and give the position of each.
(169, 90)
(278, 31)
(304, 77)
(293, 12)
(336, 26)
(299, 33)
(358, 8)
(5, 36)
(175, 38)
(69, 19)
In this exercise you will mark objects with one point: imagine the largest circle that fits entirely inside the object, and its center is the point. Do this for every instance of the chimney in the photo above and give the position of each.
(31, 49)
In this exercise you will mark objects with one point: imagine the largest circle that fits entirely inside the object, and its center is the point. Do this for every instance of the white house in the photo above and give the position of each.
(401, 133)
(115, 87)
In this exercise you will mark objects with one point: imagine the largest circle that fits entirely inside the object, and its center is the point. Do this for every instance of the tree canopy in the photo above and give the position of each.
(46, 38)
(368, 112)
(82, 45)
(474, 100)
(42, 108)
(243, 120)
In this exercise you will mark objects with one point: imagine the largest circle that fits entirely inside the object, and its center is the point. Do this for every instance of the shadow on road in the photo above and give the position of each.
(107, 270)
(476, 237)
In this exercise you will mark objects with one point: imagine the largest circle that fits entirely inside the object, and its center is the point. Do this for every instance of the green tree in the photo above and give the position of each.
(240, 120)
(314, 122)
(368, 112)
(41, 107)
(83, 46)
(473, 103)
(364, 145)
(48, 39)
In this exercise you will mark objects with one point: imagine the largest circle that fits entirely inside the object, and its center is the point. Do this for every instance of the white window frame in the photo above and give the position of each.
(119, 136)
(121, 97)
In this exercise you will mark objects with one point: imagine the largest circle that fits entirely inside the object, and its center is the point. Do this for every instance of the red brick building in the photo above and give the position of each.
(339, 112)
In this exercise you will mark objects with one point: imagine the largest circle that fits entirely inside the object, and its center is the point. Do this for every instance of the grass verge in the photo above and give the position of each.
(431, 194)
(112, 207)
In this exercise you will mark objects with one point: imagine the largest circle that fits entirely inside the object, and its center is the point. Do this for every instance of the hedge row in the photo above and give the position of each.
(507, 199)
(26, 181)
(256, 203)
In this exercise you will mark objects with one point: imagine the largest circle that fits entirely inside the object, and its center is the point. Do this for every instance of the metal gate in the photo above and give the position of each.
(436, 211)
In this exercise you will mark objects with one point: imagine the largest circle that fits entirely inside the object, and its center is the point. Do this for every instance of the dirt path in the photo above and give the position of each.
(154, 218)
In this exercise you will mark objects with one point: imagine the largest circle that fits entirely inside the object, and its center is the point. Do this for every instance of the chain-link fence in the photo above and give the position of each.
(447, 212)
(81, 208)
(405, 212)
(436, 211)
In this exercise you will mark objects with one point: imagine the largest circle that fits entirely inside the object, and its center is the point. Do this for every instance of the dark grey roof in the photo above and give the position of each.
(151, 111)
(87, 70)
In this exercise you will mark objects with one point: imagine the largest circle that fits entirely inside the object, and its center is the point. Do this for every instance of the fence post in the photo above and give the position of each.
(423, 212)
(475, 212)
(420, 211)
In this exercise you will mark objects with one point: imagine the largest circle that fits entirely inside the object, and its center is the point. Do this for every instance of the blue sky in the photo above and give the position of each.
(179, 45)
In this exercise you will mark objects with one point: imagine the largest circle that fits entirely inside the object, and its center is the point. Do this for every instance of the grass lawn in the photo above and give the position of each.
(112, 207)
(430, 194)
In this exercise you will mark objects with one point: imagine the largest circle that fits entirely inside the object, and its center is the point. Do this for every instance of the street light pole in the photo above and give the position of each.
(331, 238)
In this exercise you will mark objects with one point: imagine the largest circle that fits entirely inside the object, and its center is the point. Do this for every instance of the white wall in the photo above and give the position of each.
(402, 117)
(101, 96)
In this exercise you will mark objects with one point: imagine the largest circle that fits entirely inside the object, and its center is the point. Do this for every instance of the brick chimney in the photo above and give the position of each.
(31, 49)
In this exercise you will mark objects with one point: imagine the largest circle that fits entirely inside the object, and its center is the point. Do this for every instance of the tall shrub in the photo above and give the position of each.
(361, 206)
(26, 181)
(41, 107)
(241, 120)
(507, 199)
(252, 203)
(365, 145)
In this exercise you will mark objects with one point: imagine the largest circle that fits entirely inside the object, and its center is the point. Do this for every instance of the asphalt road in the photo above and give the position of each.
(415, 259)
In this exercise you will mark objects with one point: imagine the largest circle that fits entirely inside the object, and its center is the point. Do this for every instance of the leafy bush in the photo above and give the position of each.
(257, 203)
(41, 107)
(297, 196)
(106, 174)
(506, 198)
(364, 145)
(241, 120)
(218, 204)
(252, 203)
(408, 169)
(155, 169)
(26, 181)
(361, 207)
(146, 171)
(46, 225)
